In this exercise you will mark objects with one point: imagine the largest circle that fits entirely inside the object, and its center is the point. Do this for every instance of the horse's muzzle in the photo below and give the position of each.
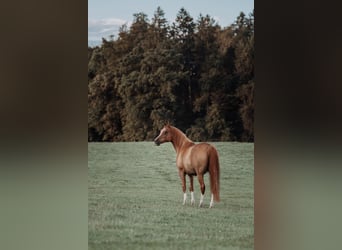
(157, 142)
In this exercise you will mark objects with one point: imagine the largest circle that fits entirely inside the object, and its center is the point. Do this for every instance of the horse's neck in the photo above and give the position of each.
(180, 140)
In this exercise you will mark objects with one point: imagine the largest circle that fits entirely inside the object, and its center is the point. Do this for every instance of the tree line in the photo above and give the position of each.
(194, 74)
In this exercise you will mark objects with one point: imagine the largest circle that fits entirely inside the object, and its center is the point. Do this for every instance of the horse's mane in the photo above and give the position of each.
(180, 138)
(179, 131)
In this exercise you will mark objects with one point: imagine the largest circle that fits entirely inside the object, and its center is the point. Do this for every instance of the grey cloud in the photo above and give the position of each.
(97, 29)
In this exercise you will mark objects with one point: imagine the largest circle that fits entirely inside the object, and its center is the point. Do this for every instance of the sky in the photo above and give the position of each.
(106, 16)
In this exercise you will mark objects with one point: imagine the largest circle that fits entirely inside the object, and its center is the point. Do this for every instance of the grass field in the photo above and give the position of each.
(135, 199)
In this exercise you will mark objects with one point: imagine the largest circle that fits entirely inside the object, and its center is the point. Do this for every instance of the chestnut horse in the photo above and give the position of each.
(193, 160)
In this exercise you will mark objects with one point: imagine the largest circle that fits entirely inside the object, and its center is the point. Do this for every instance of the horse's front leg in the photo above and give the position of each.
(182, 177)
(192, 189)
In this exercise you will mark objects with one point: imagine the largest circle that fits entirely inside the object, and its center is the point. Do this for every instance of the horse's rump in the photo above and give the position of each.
(204, 158)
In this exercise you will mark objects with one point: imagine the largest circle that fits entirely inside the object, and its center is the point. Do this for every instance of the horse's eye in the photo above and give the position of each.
(165, 133)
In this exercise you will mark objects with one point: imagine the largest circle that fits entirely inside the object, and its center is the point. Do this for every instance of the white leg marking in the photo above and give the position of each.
(201, 200)
(184, 198)
(192, 198)
(212, 201)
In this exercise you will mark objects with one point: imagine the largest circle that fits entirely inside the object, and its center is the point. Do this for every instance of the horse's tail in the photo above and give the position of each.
(214, 172)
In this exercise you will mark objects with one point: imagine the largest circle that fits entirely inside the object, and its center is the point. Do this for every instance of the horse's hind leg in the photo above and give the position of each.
(202, 185)
(192, 189)
(212, 201)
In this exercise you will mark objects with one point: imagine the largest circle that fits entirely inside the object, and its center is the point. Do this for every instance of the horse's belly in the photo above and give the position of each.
(184, 163)
(189, 169)
(196, 167)
(192, 161)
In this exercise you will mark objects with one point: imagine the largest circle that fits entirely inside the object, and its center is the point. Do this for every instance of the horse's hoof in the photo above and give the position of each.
(211, 204)
(192, 202)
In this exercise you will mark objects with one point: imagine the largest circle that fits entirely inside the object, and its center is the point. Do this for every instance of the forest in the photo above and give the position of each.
(194, 74)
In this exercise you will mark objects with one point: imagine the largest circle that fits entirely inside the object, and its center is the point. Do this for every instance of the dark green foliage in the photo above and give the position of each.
(194, 74)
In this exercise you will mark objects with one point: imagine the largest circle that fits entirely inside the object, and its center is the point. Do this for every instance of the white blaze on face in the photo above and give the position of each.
(157, 140)
(162, 131)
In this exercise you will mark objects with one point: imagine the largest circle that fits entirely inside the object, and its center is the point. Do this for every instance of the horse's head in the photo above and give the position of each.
(165, 135)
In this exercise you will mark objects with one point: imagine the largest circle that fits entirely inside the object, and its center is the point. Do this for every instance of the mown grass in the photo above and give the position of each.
(135, 199)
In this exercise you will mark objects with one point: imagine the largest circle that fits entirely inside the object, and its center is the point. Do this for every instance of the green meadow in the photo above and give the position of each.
(135, 199)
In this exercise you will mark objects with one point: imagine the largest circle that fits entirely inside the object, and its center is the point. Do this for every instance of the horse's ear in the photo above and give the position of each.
(167, 124)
